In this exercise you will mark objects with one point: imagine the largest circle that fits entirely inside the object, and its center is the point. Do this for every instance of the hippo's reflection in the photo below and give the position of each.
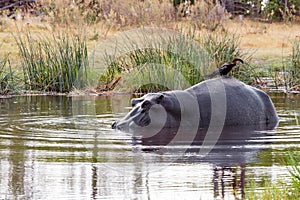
(235, 148)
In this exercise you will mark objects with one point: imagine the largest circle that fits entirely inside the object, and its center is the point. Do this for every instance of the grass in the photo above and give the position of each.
(293, 160)
(295, 68)
(188, 57)
(157, 63)
(154, 64)
(286, 73)
(222, 47)
(278, 191)
(48, 64)
(52, 64)
(7, 79)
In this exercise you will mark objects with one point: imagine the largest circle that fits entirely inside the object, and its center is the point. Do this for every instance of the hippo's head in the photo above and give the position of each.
(140, 115)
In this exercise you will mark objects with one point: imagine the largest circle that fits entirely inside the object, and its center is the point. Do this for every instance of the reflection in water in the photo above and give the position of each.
(225, 175)
(63, 147)
(235, 148)
(17, 159)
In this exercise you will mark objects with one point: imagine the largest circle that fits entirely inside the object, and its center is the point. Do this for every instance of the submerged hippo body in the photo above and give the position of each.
(225, 101)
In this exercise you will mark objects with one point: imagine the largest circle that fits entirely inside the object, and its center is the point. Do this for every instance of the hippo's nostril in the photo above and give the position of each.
(114, 125)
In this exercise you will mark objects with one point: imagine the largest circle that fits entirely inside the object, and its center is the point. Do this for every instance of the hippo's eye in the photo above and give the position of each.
(146, 105)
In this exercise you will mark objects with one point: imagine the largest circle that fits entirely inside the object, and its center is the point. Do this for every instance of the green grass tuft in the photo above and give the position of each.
(7, 78)
(293, 160)
(279, 190)
(52, 64)
(184, 60)
(295, 69)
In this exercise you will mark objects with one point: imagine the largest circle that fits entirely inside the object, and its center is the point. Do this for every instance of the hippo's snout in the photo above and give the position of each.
(120, 125)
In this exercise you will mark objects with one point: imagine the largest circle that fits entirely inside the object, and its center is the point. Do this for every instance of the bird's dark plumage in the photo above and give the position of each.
(225, 68)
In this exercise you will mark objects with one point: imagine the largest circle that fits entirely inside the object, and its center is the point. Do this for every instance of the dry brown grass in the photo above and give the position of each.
(267, 41)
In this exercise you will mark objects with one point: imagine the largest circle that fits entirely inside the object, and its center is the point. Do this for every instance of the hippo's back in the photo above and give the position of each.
(239, 103)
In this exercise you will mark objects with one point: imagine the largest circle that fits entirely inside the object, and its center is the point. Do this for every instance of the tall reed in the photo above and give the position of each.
(289, 70)
(185, 60)
(7, 79)
(222, 46)
(172, 63)
(52, 64)
(295, 69)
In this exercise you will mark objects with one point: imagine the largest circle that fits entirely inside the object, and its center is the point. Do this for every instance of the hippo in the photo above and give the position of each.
(220, 102)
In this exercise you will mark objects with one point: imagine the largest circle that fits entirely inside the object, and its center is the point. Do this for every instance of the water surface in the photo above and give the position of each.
(58, 147)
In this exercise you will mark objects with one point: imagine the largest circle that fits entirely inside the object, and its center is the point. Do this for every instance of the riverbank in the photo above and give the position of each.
(267, 47)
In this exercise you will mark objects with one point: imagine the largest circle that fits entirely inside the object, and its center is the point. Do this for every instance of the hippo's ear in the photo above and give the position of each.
(160, 98)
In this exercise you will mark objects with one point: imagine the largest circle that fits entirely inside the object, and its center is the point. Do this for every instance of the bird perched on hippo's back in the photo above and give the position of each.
(225, 68)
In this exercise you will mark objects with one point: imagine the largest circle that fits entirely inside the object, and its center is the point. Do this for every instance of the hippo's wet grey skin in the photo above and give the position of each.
(245, 105)
(139, 115)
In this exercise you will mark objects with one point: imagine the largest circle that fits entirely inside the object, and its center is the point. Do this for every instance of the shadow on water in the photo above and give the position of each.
(63, 147)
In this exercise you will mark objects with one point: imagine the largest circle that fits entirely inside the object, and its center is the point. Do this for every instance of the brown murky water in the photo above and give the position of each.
(57, 147)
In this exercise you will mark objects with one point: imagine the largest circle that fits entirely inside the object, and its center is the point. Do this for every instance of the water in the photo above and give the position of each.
(58, 147)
